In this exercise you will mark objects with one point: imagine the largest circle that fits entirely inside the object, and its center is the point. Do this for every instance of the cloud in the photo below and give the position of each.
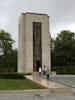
(61, 12)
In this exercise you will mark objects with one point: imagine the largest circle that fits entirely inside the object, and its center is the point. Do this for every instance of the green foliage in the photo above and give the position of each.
(63, 53)
(12, 76)
(64, 69)
(8, 64)
(5, 42)
(8, 60)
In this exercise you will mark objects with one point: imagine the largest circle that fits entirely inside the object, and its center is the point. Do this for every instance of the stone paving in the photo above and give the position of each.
(44, 82)
(63, 83)
(65, 79)
(35, 96)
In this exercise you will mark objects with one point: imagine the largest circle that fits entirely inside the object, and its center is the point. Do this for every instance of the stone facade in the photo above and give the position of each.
(33, 42)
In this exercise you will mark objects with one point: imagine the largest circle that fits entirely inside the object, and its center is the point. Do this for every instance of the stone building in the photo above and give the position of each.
(33, 42)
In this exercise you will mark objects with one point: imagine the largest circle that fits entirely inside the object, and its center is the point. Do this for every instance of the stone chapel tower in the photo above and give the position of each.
(33, 42)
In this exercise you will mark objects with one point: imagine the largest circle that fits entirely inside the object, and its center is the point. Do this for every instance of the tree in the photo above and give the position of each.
(11, 61)
(8, 61)
(5, 42)
(63, 53)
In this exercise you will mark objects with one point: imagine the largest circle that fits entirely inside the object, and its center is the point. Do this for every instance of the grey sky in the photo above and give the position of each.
(61, 12)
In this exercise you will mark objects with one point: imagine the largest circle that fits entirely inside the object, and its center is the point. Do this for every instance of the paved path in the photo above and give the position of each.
(44, 82)
(68, 80)
(35, 96)
(56, 87)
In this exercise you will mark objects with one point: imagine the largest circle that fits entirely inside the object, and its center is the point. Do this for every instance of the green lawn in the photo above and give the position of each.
(18, 84)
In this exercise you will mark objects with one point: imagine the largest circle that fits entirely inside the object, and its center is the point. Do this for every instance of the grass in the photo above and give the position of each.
(18, 84)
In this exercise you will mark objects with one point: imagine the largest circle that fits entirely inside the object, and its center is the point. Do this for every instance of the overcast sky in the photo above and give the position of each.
(61, 12)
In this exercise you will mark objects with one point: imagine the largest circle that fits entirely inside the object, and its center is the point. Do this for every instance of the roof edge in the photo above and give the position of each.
(34, 13)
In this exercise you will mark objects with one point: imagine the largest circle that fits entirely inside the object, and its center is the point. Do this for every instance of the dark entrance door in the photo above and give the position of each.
(37, 65)
(37, 48)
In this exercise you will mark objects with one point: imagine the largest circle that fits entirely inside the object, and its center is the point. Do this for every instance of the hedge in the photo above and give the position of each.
(12, 76)
(64, 69)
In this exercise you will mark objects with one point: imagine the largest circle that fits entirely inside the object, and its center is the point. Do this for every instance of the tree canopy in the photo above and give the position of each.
(5, 42)
(63, 52)
(8, 59)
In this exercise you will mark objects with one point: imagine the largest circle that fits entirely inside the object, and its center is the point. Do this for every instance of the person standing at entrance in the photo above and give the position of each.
(44, 70)
(40, 70)
(48, 74)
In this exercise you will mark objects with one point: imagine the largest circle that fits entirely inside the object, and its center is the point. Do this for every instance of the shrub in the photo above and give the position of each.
(12, 76)
(64, 69)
